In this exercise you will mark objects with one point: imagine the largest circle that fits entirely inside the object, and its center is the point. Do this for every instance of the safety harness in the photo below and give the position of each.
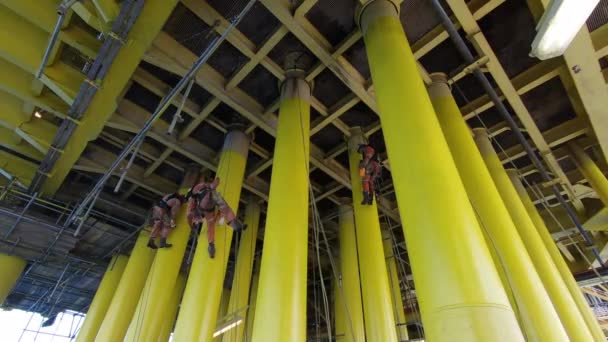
(199, 196)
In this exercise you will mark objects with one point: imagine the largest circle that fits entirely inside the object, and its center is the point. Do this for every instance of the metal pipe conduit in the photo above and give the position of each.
(129, 11)
(489, 89)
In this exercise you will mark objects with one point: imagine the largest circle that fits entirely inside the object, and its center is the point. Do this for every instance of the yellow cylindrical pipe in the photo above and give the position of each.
(556, 256)
(283, 275)
(252, 300)
(539, 318)
(563, 302)
(349, 287)
(459, 291)
(103, 298)
(163, 274)
(124, 303)
(239, 294)
(375, 288)
(171, 314)
(11, 268)
(591, 171)
(197, 317)
(393, 276)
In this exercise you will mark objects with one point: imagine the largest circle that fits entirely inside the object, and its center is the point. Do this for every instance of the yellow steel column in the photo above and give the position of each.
(281, 297)
(171, 314)
(198, 312)
(563, 303)
(591, 171)
(556, 256)
(239, 295)
(349, 289)
(539, 319)
(459, 291)
(118, 316)
(252, 300)
(163, 274)
(10, 270)
(393, 277)
(375, 289)
(103, 298)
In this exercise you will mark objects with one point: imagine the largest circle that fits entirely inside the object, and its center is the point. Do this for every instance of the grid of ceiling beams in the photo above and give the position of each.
(169, 54)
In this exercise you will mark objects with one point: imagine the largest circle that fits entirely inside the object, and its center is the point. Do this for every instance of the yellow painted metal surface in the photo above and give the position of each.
(103, 298)
(349, 304)
(239, 295)
(393, 276)
(172, 308)
(539, 319)
(126, 297)
(149, 23)
(459, 291)
(341, 328)
(252, 300)
(591, 171)
(556, 288)
(16, 166)
(560, 263)
(198, 314)
(10, 270)
(281, 297)
(162, 276)
(375, 288)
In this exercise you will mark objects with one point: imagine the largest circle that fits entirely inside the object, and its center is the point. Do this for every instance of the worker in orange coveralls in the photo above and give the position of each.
(369, 170)
(163, 217)
(204, 202)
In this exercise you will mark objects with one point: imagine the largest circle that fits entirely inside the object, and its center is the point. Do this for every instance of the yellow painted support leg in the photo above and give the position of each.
(563, 303)
(252, 300)
(117, 318)
(281, 298)
(393, 276)
(460, 294)
(10, 270)
(538, 317)
(591, 171)
(163, 274)
(349, 290)
(198, 314)
(375, 288)
(103, 298)
(239, 295)
(171, 314)
(556, 256)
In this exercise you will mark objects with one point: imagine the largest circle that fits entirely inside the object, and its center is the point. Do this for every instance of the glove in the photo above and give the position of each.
(173, 225)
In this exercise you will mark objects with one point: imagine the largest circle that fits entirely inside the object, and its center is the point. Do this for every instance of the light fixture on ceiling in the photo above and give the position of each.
(227, 326)
(38, 115)
(559, 25)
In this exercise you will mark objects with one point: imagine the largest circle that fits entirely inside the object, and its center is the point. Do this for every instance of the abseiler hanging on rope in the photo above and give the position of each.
(369, 169)
(163, 218)
(202, 203)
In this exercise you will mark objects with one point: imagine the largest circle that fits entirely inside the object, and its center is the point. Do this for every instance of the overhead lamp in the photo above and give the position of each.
(227, 326)
(559, 25)
(37, 114)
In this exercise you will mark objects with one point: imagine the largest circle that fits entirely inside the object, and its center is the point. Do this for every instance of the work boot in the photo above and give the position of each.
(365, 198)
(211, 250)
(238, 226)
(370, 198)
(151, 244)
(164, 244)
